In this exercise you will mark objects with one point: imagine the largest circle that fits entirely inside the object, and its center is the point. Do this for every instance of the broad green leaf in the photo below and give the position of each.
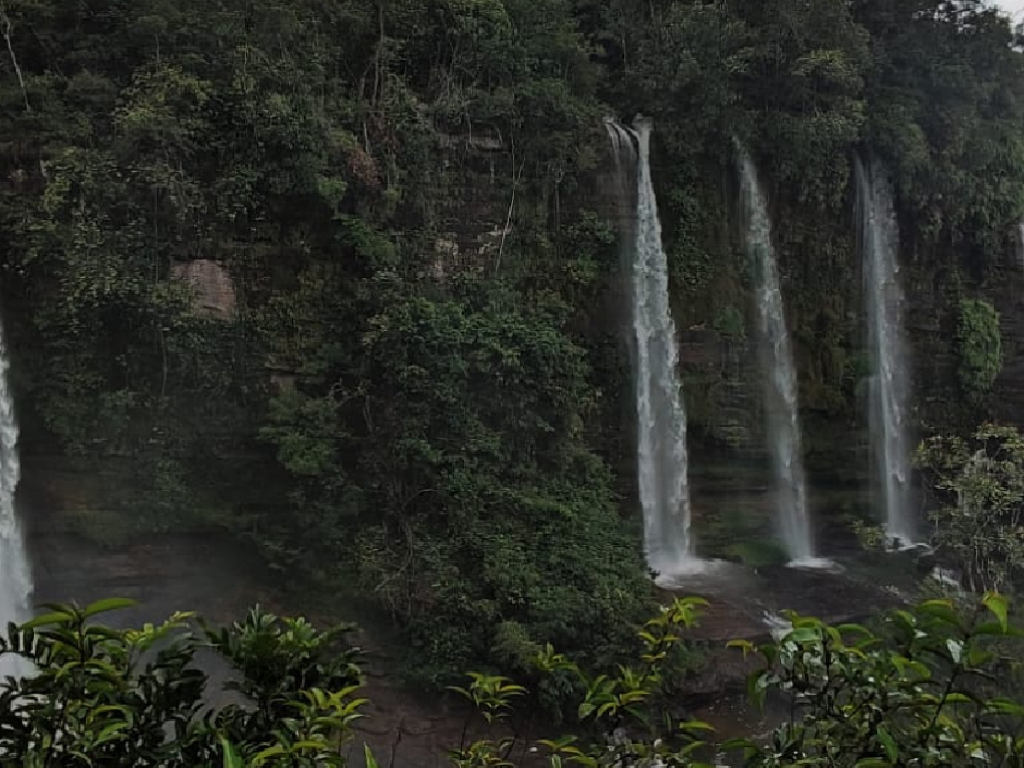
(1005, 706)
(57, 617)
(274, 751)
(230, 758)
(744, 645)
(887, 742)
(942, 610)
(108, 604)
(109, 733)
(996, 603)
(696, 725)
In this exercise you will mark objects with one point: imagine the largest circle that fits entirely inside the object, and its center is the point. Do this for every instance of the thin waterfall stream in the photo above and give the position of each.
(662, 462)
(15, 575)
(890, 389)
(1020, 230)
(781, 401)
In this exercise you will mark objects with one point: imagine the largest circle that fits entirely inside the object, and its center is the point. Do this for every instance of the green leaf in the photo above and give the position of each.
(994, 628)
(696, 725)
(888, 743)
(298, 746)
(368, 758)
(1005, 706)
(958, 697)
(57, 617)
(744, 645)
(855, 629)
(109, 733)
(266, 754)
(942, 610)
(108, 604)
(230, 758)
(996, 604)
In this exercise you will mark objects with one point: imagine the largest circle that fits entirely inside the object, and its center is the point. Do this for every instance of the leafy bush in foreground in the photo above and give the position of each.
(134, 698)
(924, 690)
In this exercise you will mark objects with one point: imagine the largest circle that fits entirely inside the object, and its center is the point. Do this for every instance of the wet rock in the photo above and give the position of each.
(214, 289)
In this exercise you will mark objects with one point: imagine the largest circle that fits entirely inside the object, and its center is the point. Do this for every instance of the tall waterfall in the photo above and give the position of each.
(661, 418)
(781, 384)
(890, 446)
(15, 576)
(1021, 230)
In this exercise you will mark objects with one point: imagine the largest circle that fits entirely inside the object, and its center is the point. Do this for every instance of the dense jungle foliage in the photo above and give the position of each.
(925, 688)
(417, 393)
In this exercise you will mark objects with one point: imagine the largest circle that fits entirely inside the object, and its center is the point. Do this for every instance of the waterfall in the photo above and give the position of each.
(661, 418)
(15, 576)
(1021, 231)
(781, 384)
(890, 446)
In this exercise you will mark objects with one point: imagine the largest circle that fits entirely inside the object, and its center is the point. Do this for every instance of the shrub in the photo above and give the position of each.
(979, 349)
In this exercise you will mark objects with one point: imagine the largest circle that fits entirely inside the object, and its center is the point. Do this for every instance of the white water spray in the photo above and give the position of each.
(890, 389)
(15, 576)
(777, 362)
(661, 418)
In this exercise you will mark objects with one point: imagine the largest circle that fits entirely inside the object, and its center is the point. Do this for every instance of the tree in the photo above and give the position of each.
(920, 692)
(945, 108)
(452, 444)
(979, 502)
(979, 349)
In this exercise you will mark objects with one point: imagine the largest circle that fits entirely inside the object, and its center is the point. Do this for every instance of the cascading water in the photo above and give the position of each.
(781, 389)
(1021, 230)
(15, 576)
(661, 418)
(890, 446)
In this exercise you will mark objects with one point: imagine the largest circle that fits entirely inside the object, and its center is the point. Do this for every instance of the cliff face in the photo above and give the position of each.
(931, 330)
(214, 291)
(479, 200)
(1005, 289)
(474, 199)
(823, 287)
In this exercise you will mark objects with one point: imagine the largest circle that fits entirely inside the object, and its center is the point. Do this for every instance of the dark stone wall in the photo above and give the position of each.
(823, 288)
(1005, 289)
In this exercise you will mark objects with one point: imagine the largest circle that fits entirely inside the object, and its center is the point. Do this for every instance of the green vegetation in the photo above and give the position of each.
(469, 474)
(979, 488)
(980, 348)
(107, 697)
(413, 387)
(920, 690)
